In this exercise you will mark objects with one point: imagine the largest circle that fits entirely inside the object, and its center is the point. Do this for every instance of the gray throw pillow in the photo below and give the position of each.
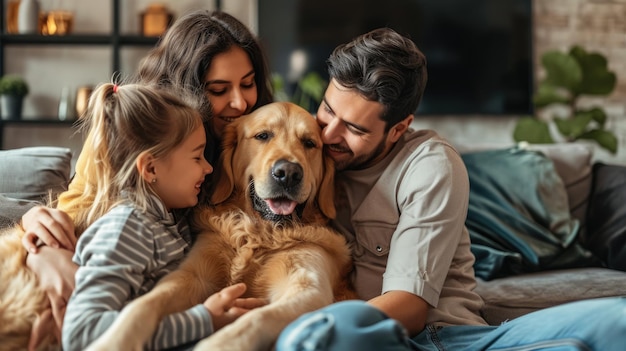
(12, 210)
(31, 173)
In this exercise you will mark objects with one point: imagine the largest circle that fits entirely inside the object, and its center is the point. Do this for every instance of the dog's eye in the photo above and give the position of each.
(263, 136)
(309, 143)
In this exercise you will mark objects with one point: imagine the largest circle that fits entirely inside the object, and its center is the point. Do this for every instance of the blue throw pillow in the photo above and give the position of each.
(518, 215)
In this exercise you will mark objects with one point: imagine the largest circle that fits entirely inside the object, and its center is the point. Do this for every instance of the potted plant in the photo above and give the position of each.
(569, 76)
(13, 88)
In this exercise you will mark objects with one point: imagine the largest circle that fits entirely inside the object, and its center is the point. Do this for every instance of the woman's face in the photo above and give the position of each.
(231, 87)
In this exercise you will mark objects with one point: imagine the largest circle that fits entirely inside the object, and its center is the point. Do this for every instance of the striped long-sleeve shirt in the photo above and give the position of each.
(121, 256)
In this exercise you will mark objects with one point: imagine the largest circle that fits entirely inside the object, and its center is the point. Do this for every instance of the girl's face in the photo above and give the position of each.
(230, 87)
(180, 174)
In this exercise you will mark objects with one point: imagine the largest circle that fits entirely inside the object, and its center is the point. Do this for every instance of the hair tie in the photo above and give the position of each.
(115, 88)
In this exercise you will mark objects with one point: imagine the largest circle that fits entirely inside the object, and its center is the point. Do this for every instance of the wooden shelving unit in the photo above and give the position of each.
(114, 40)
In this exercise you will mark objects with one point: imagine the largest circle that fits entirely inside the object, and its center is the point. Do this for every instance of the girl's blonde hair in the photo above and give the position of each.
(122, 122)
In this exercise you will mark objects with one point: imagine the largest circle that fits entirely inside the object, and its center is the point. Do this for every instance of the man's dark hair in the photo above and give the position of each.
(382, 66)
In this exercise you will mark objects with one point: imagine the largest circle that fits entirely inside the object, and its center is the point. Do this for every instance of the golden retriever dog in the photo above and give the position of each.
(268, 228)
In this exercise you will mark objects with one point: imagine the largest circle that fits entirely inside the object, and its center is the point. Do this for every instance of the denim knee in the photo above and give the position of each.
(347, 325)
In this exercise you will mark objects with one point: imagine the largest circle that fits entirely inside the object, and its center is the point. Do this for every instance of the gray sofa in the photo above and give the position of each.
(30, 175)
(588, 195)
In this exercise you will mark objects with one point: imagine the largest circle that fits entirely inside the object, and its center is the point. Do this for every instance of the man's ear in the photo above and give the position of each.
(145, 166)
(400, 128)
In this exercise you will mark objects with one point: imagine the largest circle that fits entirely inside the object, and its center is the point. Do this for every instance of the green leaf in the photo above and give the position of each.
(313, 86)
(597, 114)
(573, 128)
(562, 70)
(278, 86)
(532, 130)
(604, 138)
(596, 77)
(12, 84)
(548, 94)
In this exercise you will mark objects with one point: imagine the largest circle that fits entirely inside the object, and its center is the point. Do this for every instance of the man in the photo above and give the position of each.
(402, 205)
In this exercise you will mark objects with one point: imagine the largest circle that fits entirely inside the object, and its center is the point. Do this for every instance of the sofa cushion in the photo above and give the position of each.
(511, 297)
(606, 229)
(31, 173)
(573, 164)
(518, 215)
(11, 210)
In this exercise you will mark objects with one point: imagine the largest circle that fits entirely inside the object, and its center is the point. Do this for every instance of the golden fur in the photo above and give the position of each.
(292, 259)
(21, 300)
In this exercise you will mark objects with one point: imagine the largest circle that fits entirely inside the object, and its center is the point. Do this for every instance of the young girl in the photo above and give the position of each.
(147, 159)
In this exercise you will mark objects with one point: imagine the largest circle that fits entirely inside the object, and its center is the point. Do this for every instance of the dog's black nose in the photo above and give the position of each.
(287, 173)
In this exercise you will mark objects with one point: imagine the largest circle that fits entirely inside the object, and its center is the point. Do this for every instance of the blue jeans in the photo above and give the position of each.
(598, 324)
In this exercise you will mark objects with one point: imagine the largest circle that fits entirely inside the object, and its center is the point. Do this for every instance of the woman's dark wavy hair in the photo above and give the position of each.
(184, 54)
(382, 66)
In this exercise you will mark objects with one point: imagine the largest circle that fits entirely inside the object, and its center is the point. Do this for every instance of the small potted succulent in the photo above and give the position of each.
(13, 88)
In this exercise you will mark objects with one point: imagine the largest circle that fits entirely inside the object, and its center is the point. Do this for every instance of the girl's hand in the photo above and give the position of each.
(55, 270)
(49, 226)
(226, 305)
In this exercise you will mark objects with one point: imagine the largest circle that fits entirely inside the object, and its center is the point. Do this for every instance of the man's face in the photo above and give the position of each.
(353, 134)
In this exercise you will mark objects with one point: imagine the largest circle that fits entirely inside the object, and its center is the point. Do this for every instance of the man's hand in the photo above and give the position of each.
(49, 226)
(225, 306)
(55, 270)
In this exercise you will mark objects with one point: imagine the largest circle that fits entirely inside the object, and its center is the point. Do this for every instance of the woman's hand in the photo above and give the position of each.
(55, 270)
(226, 305)
(49, 226)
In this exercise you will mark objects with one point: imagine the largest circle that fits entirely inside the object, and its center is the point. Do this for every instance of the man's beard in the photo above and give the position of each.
(362, 161)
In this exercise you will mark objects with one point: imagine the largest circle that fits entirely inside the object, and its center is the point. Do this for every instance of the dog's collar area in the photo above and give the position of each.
(261, 207)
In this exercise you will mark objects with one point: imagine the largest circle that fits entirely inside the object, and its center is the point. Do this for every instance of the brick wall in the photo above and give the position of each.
(596, 25)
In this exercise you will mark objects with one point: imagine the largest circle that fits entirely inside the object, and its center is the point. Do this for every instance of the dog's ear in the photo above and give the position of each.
(325, 195)
(224, 177)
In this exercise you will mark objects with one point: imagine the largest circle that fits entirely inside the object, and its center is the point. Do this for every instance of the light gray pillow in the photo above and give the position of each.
(31, 173)
(573, 162)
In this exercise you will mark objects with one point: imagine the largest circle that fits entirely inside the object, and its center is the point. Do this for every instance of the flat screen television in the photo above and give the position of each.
(479, 52)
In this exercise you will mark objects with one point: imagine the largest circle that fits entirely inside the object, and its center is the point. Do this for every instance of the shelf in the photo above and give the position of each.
(38, 122)
(138, 40)
(75, 39)
(41, 122)
(115, 40)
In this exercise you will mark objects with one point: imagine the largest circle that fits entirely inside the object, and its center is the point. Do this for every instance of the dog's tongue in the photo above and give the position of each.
(281, 206)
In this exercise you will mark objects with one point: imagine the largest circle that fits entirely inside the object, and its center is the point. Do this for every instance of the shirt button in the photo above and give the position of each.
(379, 249)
